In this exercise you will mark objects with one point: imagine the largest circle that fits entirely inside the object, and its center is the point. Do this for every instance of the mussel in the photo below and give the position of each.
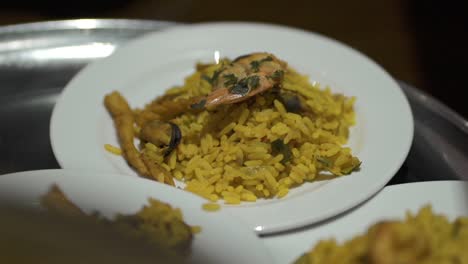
(162, 134)
(291, 102)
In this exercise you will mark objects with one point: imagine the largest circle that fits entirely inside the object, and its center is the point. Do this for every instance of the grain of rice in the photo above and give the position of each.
(280, 107)
(211, 207)
(172, 160)
(213, 197)
(113, 149)
(250, 182)
(253, 163)
(231, 200)
(151, 146)
(270, 180)
(250, 197)
(178, 175)
(282, 192)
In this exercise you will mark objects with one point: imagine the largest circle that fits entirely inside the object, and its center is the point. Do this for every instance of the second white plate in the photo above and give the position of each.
(222, 239)
(446, 197)
(143, 69)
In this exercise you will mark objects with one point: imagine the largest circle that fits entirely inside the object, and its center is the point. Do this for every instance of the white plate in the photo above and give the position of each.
(143, 69)
(446, 197)
(222, 240)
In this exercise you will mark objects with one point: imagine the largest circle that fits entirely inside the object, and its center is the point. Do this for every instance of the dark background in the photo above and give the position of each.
(420, 42)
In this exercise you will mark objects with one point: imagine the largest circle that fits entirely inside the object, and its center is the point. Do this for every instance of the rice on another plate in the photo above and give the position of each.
(424, 238)
(157, 223)
(239, 130)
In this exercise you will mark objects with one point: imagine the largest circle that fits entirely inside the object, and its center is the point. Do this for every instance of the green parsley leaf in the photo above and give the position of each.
(269, 58)
(327, 162)
(255, 66)
(213, 78)
(253, 81)
(348, 170)
(241, 88)
(230, 79)
(278, 75)
(206, 78)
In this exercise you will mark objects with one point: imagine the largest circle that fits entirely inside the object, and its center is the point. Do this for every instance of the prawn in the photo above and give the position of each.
(244, 77)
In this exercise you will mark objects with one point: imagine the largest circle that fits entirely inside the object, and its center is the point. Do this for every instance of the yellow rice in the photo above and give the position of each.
(226, 153)
(113, 149)
(211, 207)
(423, 238)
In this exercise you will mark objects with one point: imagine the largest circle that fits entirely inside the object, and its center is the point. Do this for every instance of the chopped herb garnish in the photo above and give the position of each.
(327, 162)
(212, 79)
(206, 78)
(278, 147)
(269, 58)
(253, 81)
(277, 75)
(215, 76)
(241, 88)
(255, 66)
(348, 170)
(199, 105)
(244, 86)
(230, 79)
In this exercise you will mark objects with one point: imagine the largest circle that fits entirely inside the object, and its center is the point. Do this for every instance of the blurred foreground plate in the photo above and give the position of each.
(222, 239)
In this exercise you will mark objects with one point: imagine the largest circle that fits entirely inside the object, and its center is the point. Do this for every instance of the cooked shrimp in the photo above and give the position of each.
(245, 77)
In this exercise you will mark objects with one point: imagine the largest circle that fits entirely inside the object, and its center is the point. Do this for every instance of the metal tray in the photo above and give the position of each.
(37, 60)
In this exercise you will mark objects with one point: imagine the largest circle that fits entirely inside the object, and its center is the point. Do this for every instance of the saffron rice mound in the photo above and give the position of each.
(257, 148)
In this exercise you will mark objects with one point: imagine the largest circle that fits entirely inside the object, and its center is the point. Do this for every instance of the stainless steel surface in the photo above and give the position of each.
(440, 145)
(37, 60)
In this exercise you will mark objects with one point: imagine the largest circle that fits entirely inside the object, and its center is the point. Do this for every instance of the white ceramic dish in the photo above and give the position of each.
(112, 193)
(143, 69)
(446, 197)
